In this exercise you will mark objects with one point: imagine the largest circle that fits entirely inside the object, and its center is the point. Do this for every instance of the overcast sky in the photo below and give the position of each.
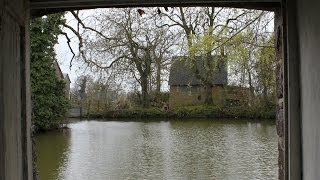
(64, 54)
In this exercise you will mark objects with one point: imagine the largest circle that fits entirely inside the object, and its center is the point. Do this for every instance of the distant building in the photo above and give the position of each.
(59, 73)
(186, 89)
(64, 77)
(67, 80)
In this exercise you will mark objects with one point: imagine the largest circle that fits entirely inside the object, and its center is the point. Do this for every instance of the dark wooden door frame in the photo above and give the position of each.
(290, 63)
(292, 86)
(40, 7)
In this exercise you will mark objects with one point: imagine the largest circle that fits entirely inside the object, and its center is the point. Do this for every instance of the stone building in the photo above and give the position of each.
(186, 89)
(67, 80)
(64, 77)
(58, 71)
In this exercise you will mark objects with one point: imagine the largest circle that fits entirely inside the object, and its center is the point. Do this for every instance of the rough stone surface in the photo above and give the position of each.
(281, 142)
(280, 121)
(195, 95)
(280, 159)
(279, 79)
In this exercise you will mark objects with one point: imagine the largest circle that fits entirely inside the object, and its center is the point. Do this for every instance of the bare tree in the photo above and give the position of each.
(122, 40)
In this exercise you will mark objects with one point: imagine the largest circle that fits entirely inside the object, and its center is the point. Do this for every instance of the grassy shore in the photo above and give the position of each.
(189, 112)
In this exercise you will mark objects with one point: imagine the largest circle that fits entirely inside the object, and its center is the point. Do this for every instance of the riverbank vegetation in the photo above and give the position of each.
(119, 107)
(202, 111)
(49, 104)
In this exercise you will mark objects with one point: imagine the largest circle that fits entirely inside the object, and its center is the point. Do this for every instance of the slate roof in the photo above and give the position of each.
(182, 74)
(66, 77)
(58, 71)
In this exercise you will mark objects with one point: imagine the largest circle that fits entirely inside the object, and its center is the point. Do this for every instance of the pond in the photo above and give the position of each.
(176, 149)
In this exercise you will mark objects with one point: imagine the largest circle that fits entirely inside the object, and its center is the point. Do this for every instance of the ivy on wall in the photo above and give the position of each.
(49, 104)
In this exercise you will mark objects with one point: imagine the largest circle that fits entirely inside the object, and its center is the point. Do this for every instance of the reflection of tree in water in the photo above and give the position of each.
(265, 137)
(223, 149)
(52, 150)
(148, 159)
(249, 150)
(267, 128)
(147, 148)
(198, 149)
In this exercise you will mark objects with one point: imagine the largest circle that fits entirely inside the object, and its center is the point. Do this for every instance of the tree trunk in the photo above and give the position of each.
(251, 90)
(98, 105)
(265, 94)
(144, 90)
(89, 108)
(208, 94)
(158, 78)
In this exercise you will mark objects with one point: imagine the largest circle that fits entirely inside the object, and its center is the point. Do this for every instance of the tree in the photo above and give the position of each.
(95, 95)
(266, 70)
(125, 42)
(244, 61)
(49, 103)
(253, 55)
(139, 44)
(207, 30)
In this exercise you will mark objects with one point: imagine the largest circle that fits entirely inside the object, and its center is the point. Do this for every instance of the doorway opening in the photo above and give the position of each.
(255, 55)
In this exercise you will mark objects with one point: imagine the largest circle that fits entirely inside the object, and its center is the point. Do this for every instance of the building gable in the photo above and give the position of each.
(181, 73)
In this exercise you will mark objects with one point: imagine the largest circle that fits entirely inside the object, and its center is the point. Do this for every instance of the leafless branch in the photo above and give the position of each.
(75, 15)
(257, 45)
(244, 27)
(70, 48)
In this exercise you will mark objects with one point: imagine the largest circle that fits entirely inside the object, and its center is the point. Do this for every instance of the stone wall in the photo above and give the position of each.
(280, 121)
(187, 96)
(183, 95)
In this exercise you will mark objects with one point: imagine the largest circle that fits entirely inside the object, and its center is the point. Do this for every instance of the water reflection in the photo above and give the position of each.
(52, 150)
(192, 149)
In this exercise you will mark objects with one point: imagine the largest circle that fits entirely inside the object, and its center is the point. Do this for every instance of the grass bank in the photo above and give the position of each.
(190, 112)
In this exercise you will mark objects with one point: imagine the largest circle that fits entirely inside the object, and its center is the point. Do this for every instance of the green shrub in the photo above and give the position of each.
(201, 111)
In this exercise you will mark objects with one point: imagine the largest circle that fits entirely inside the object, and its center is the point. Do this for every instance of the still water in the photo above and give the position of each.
(188, 149)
